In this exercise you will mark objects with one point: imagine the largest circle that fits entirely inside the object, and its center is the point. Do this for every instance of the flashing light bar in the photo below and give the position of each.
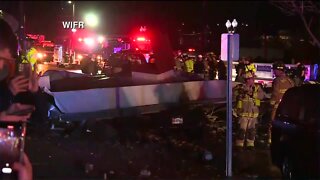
(40, 55)
(100, 39)
(89, 41)
(141, 39)
(191, 50)
(80, 56)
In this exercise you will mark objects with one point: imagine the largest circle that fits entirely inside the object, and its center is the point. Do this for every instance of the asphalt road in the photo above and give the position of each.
(146, 147)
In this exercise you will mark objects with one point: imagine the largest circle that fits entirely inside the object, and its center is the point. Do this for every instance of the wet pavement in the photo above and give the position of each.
(147, 147)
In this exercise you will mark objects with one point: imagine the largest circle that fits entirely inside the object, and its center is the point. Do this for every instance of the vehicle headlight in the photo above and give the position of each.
(40, 55)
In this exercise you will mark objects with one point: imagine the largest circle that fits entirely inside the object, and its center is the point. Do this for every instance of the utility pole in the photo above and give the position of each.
(229, 53)
(22, 22)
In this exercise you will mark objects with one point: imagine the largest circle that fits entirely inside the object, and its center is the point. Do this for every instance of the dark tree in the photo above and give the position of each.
(308, 12)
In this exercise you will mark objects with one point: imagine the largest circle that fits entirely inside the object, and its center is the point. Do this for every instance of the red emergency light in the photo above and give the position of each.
(191, 50)
(137, 49)
(141, 39)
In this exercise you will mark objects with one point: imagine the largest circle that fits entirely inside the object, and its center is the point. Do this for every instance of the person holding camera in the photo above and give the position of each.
(12, 85)
(23, 168)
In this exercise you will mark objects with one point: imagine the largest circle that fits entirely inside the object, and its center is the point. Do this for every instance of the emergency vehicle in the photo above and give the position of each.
(45, 49)
(58, 54)
(141, 43)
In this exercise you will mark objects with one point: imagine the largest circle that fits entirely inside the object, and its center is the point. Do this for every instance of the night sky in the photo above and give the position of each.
(122, 16)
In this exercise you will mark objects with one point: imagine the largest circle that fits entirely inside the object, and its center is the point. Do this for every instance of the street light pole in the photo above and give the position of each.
(229, 114)
(73, 13)
(72, 57)
(229, 52)
(22, 28)
(229, 107)
(73, 9)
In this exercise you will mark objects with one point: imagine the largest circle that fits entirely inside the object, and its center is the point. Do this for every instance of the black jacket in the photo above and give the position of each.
(6, 96)
(199, 67)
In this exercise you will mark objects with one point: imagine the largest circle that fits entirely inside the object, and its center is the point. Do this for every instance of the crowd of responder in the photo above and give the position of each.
(203, 66)
(246, 64)
(248, 96)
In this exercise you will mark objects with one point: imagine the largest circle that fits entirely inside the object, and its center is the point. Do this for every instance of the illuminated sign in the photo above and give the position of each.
(37, 37)
(264, 68)
(117, 49)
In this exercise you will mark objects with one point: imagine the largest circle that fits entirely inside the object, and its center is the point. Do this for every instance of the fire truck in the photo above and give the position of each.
(103, 46)
(45, 49)
(58, 54)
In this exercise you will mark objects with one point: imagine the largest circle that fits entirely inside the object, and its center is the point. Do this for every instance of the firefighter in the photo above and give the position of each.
(299, 74)
(249, 66)
(189, 64)
(279, 86)
(247, 97)
(178, 63)
(31, 57)
(240, 69)
(199, 67)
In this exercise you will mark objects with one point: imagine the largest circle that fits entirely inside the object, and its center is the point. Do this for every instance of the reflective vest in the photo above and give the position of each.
(250, 67)
(248, 106)
(32, 56)
(311, 82)
(189, 65)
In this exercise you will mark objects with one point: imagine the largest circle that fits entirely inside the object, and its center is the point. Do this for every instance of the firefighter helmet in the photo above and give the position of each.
(279, 66)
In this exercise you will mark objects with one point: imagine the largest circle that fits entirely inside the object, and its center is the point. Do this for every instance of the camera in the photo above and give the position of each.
(12, 139)
(24, 69)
